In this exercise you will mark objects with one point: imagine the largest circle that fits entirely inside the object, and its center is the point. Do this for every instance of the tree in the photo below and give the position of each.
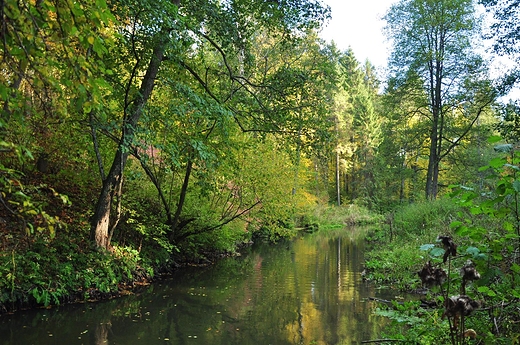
(188, 129)
(505, 33)
(51, 60)
(505, 36)
(167, 34)
(134, 103)
(357, 126)
(432, 41)
(402, 145)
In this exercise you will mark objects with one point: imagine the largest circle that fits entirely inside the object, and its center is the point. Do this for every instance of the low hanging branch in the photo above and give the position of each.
(218, 226)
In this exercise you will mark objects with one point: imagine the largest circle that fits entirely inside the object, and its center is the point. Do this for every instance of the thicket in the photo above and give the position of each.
(47, 257)
(459, 257)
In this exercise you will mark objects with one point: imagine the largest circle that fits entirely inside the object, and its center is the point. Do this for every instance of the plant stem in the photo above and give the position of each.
(446, 297)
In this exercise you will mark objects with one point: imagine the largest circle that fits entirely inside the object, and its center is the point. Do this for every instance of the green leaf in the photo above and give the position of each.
(99, 48)
(476, 210)
(426, 247)
(455, 224)
(505, 148)
(511, 166)
(494, 139)
(4, 91)
(437, 252)
(501, 189)
(486, 290)
(516, 186)
(474, 251)
(483, 289)
(497, 162)
(462, 230)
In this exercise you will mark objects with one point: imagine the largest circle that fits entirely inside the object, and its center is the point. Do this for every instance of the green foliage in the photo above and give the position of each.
(64, 272)
(505, 31)
(440, 101)
(414, 324)
(485, 229)
(495, 248)
(418, 219)
(26, 204)
(395, 265)
(338, 217)
(357, 128)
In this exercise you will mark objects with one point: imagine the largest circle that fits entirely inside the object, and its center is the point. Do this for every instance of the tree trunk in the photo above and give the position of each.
(432, 161)
(182, 197)
(101, 220)
(432, 178)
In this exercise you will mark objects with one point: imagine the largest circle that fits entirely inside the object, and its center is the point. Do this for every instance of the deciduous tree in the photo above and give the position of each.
(165, 36)
(434, 40)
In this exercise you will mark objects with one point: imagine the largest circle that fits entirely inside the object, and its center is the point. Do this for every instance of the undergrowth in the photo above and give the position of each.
(340, 216)
(393, 254)
(428, 248)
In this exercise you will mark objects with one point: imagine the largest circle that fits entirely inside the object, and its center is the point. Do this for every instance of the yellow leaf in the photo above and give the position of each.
(90, 39)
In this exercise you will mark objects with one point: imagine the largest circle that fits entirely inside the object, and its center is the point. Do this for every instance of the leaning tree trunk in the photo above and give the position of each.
(103, 220)
(175, 225)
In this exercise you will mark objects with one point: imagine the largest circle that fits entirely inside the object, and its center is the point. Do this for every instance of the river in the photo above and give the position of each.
(307, 291)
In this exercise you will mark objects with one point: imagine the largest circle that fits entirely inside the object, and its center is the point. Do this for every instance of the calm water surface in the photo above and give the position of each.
(308, 291)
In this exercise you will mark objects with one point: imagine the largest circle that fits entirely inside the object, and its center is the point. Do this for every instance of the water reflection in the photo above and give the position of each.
(308, 291)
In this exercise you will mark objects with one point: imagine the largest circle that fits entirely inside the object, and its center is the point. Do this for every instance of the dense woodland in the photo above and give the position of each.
(137, 135)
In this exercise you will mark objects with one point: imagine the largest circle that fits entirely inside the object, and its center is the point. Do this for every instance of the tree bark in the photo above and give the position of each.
(182, 197)
(101, 220)
(436, 76)
(338, 189)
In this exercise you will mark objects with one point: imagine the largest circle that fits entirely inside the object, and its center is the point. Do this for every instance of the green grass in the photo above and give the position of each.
(331, 217)
(394, 255)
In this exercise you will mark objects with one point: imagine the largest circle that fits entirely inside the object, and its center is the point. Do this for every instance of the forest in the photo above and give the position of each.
(138, 136)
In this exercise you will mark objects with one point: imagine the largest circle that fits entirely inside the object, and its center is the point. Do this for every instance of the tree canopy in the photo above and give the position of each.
(433, 52)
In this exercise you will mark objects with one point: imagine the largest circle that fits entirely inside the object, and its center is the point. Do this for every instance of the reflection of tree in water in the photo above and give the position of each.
(329, 308)
(305, 292)
(101, 333)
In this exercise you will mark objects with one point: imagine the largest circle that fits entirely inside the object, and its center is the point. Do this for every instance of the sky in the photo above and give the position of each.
(358, 24)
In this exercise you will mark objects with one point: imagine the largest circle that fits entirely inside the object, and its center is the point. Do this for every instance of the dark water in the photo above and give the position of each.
(308, 291)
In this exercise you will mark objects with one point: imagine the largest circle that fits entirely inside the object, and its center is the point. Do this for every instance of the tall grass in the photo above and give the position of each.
(424, 218)
(393, 256)
(329, 216)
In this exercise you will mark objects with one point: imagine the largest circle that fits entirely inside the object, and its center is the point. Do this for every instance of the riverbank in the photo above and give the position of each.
(40, 271)
(443, 250)
(308, 290)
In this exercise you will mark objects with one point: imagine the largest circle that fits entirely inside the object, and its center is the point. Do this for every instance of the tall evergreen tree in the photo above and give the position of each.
(357, 126)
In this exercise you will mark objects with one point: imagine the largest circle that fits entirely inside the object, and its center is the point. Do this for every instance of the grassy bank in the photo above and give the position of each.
(416, 240)
(394, 254)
